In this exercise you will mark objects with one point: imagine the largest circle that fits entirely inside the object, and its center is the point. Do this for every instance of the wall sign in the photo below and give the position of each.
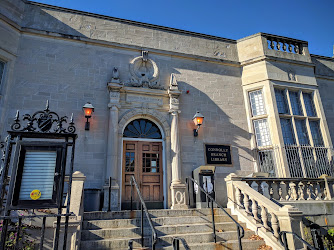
(218, 155)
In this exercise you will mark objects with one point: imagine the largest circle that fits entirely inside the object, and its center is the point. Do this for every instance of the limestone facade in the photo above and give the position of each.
(130, 70)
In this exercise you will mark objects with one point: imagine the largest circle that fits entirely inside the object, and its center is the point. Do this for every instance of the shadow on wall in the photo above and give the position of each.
(216, 91)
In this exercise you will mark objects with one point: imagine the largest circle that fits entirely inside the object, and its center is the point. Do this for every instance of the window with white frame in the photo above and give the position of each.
(303, 142)
(265, 156)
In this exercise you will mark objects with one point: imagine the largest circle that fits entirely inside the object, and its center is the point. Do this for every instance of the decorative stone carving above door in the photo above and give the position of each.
(144, 72)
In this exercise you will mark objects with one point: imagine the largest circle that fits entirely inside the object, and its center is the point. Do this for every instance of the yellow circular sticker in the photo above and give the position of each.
(35, 194)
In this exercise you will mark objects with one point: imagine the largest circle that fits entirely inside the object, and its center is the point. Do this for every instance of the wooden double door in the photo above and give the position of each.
(143, 160)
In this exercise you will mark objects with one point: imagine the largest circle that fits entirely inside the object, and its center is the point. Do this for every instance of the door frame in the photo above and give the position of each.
(164, 174)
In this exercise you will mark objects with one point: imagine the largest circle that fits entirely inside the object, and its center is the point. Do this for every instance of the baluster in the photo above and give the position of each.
(326, 194)
(278, 45)
(296, 48)
(255, 210)
(238, 197)
(270, 189)
(274, 224)
(246, 203)
(284, 45)
(272, 45)
(309, 191)
(290, 48)
(259, 187)
(317, 192)
(293, 194)
(324, 191)
(301, 191)
(280, 191)
(288, 191)
(264, 217)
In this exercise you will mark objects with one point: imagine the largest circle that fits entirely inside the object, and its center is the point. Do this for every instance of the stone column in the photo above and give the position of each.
(178, 189)
(112, 193)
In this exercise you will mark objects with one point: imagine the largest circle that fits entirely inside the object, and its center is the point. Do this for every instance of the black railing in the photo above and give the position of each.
(176, 243)
(209, 198)
(142, 209)
(284, 241)
(19, 238)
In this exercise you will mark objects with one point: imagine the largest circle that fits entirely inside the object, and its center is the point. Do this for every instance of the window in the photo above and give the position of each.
(302, 132)
(309, 105)
(257, 104)
(303, 142)
(262, 132)
(295, 103)
(266, 161)
(316, 134)
(287, 131)
(281, 101)
(2, 70)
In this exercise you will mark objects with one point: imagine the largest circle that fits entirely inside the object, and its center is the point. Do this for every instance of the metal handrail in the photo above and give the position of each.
(176, 243)
(143, 208)
(239, 227)
(284, 241)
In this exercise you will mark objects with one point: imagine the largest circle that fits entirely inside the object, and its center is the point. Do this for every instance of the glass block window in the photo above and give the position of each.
(262, 132)
(281, 101)
(302, 132)
(257, 103)
(295, 103)
(287, 131)
(2, 69)
(142, 128)
(316, 133)
(309, 105)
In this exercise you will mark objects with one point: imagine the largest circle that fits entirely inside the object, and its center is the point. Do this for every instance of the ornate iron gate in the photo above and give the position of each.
(32, 176)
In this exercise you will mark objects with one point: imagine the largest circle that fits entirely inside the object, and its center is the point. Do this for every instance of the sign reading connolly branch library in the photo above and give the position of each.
(218, 154)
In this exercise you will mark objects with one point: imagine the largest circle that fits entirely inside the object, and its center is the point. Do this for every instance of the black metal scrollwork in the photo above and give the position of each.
(43, 121)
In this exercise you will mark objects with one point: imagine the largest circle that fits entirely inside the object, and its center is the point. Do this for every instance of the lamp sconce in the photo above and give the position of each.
(88, 109)
(198, 120)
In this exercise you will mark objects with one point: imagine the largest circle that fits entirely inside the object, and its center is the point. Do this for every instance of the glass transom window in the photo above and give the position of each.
(142, 128)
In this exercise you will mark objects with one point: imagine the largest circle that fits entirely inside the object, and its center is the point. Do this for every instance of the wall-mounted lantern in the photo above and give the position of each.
(198, 120)
(88, 109)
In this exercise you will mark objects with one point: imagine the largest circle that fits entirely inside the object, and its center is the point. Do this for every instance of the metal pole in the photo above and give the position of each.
(285, 241)
(176, 244)
(18, 232)
(5, 171)
(42, 236)
(4, 234)
(130, 246)
(131, 187)
(239, 238)
(109, 194)
(69, 192)
(142, 225)
(188, 183)
(213, 223)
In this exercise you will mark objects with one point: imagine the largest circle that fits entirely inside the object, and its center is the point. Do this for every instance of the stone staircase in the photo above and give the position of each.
(113, 230)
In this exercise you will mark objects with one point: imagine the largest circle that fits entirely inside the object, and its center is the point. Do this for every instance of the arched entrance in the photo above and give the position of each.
(142, 158)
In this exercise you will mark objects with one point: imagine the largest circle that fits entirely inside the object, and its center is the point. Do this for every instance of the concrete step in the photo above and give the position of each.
(161, 221)
(164, 241)
(161, 231)
(228, 245)
(126, 214)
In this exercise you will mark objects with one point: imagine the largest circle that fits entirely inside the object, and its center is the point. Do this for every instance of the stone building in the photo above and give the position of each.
(265, 97)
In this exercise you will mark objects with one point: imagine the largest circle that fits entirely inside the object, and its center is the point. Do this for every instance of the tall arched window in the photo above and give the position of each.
(142, 128)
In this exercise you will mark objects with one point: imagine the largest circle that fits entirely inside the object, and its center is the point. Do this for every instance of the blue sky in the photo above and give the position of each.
(309, 20)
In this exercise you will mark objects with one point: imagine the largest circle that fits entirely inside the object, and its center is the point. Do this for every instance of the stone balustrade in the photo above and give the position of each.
(247, 198)
(285, 44)
(294, 189)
